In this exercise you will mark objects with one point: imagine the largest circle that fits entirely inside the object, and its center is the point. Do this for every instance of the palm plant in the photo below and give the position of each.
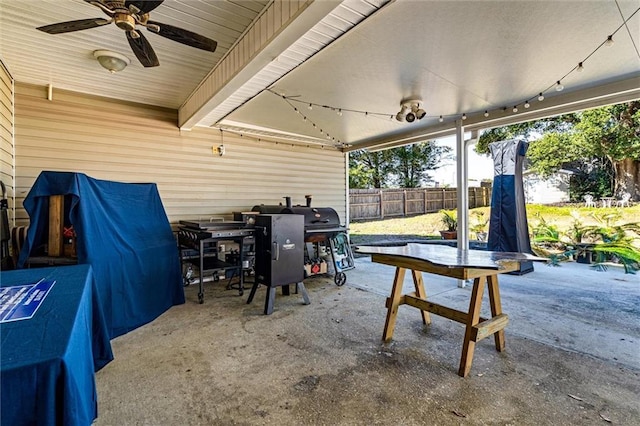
(449, 219)
(607, 240)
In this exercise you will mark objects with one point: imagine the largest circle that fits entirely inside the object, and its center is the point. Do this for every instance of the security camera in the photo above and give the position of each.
(410, 117)
(420, 113)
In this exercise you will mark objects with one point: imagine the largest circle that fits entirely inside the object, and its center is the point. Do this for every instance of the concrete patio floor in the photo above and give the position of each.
(571, 357)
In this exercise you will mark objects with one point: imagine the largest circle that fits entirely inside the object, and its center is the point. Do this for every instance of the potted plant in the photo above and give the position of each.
(449, 219)
(480, 226)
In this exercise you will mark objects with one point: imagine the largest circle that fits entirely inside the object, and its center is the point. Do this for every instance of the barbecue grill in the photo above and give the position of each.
(322, 230)
(199, 245)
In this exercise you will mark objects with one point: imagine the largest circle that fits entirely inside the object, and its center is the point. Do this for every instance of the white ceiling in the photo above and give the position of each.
(457, 56)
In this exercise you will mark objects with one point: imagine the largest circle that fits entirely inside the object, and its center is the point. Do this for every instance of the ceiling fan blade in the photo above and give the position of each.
(143, 50)
(182, 36)
(69, 26)
(144, 6)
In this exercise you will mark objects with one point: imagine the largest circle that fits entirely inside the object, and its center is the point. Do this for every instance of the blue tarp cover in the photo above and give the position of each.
(508, 230)
(123, 232)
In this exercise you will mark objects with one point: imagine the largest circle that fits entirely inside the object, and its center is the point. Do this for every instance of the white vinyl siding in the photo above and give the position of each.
(6, 136)
(126, 142)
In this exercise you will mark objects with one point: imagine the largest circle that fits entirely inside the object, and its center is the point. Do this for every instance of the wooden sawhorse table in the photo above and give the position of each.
(481, 266)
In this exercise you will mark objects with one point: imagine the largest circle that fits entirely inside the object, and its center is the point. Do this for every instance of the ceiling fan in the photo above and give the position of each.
(127, 15)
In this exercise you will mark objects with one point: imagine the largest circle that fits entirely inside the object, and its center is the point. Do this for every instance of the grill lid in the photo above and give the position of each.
(315, 217)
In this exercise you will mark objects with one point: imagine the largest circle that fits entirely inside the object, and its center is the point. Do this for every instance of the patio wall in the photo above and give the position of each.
(127, 142)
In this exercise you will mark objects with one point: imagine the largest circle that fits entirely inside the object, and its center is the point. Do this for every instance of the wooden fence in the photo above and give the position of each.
(367, 204)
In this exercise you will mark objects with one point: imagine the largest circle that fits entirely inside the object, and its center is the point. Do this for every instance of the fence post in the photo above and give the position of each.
(406, 203)
(444, 199)
(475, 198)
(424, 192)
(381, 204)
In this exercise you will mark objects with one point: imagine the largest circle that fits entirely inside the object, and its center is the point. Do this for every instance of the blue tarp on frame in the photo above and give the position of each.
(508, 229)
(123, 232)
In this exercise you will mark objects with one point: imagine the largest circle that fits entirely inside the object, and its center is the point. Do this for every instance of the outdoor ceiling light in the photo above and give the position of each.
(111, 61)
(400, 116)
(410, 110)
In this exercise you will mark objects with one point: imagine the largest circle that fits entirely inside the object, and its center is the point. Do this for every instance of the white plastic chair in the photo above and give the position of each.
(588, 201)
(624, 200)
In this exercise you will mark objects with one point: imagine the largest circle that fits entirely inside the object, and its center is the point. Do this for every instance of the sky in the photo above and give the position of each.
(480, 166)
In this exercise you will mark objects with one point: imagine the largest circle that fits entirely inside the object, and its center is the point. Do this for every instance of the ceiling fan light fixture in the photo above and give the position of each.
(111, 61)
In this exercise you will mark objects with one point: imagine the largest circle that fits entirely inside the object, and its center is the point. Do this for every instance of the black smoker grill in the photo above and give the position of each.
(322, 232)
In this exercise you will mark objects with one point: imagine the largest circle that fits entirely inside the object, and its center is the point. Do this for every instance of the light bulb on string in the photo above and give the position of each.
(486, 113)
(609, 41)
(559, 86)
(527, 104)
(440, 119)
(339, 112)
(310, 107)
(541, 97)
(464, 116)
(515, 108)
(580, 68)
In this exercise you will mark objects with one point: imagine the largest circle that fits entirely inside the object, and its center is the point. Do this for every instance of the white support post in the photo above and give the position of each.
(462, 169)
(347, 213)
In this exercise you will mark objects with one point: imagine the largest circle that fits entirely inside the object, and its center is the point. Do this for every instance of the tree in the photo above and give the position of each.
(370, 169)
(405, 166)
(412, 162)
(602, 145)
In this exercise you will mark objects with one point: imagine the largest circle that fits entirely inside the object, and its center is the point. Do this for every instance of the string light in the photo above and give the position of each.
(294, 143)
(558, 86)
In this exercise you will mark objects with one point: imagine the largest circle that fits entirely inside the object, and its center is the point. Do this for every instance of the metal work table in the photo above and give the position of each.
(482, 266)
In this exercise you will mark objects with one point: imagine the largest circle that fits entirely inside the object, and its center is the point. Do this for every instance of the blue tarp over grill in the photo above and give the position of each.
(123, 232)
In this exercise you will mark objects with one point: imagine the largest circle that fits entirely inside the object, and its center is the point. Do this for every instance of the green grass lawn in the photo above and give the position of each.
(429, 225)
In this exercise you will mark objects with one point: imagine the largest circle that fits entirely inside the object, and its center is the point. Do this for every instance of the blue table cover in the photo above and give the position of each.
(123, 232)
(48, 362)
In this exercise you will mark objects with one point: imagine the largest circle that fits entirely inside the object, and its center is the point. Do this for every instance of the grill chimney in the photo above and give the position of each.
(288, 200)
(308, 198)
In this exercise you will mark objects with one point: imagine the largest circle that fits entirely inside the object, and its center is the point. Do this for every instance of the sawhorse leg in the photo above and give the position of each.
(393, 302)
(496, 308)
(473, 318)
(420, 293)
